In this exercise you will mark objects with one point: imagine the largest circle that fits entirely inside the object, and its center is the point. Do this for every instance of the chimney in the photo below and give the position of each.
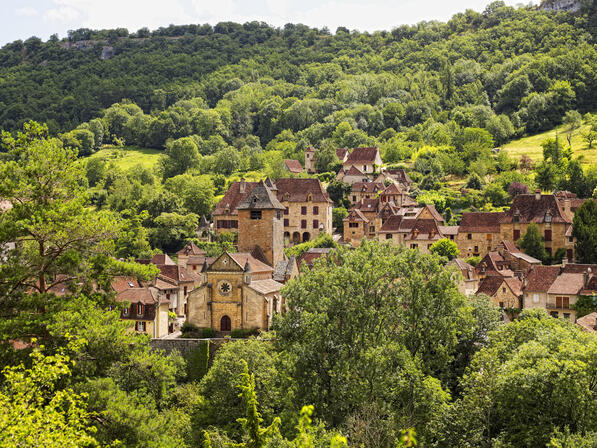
(587, 277)
(243, 185)
(537, 194)
(564, 262)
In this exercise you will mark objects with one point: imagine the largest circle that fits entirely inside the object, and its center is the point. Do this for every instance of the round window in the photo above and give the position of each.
(225, 287)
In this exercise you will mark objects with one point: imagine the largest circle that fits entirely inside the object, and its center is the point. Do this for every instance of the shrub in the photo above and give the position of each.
(198, 361)
(208, 332)
(240, 333)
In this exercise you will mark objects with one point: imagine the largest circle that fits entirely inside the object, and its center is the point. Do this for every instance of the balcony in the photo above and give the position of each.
(552, 306)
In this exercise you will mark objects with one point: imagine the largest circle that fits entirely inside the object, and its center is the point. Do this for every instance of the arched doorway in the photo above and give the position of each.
(225, 324)
(306, 237)
(296, 237)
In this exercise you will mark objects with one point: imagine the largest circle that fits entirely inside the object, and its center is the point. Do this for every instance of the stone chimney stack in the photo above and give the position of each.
(243, 185)
(537, 194)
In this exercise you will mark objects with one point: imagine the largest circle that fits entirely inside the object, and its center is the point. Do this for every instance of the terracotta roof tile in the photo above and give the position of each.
(123, 283)
(363, 155)
(588, 322)
(267, 286)
(162, 259)
(567, 284)
(256, 266)
(353, 171)
(341, 153)
(294, 166)
(146, 296)
(576, 268)
(480, 222)
(260, 198)
(367, 187)
(490, 285)
(355, 215)
(233, 197)
(298, 190)
(191, 249)
(530, 209)
(313, 254)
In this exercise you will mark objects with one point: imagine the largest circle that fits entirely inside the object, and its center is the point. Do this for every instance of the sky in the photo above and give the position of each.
(21, 19)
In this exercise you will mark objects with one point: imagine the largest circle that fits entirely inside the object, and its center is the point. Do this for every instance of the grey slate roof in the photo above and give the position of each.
(261, 198)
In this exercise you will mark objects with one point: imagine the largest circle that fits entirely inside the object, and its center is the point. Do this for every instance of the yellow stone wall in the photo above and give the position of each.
(266, 232)
(484, 242)
(295, 217)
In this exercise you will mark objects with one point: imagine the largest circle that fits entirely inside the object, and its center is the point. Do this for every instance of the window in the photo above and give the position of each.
(554, 314)
(303, 210)
(203, 315)
(303, 223)
(316, 224)
(372, 229)
(535, 298)
(354, 198)
(503, 290)
(571, 239)
(469, 236)
(185, 290)
(476, 249)
(516, 235)
(353, 224)
(168, 295)
(414, 246)
(489, 236)
(286, 222)
(388, 236)
(286, 211)
(234, 224)
(139, 326)
(278, 214)
(567, 316)
(125, 311)
(548, 235)
(316, 210)
(139, 309)
(255, 214)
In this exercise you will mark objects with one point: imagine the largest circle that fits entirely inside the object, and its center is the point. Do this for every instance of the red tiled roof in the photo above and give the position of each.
(574, 268)
(146, 296)
(424, 229)
(341, 153)
(162, 259)
(298, 190)
(467, 270)
(588, 322)
(567, 284)
(493, 264)
(367, 187)
(353, 171)
(480, 222)
(367, 205)
(120, 284)
(355, 215)
(515, 285)
(266, 286)
(363, 155)
(530, 209)
(312, 254)
(233, 197)
(400, 175)
(190, 249)
(433, 212)
(177, 273)
(392, 189)
(256, 266)
(490, 285)
(294, 166)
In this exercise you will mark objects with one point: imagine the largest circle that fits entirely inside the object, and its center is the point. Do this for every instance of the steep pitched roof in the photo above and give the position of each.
(480, 222)
(294, 166)
(177, 273)
(541, 278)
(577, 268)
(400, 175)
(392, 189)
(393, 224)
(313, 254)
(298, 190)
(493, 264)
(355, 215)
(467, 270)
(260, 198)
(363, 155)
(162, 259)
(120, 284)
(533, 208)
(367, 205)
(341, 153)
(353, 171)
(490, 285)
(191, 249)
(367, 187)
(448, 230)
(237, 192)
(146, 296)
(425, 229)
(432, 211)
(284, 268)
(515, 285)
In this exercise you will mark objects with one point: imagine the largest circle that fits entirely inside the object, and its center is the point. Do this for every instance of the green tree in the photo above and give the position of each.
(345, 354)
(172, 230)
(572, 121)
(181, 155)
(338, 215)
(196, 192)
(532, 243)
(325, 159)
(445, 248)
(338, 192)
(36, 411)
(584, 230)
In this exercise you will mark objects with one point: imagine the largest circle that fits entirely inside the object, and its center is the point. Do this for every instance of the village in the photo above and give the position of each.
(242, 290)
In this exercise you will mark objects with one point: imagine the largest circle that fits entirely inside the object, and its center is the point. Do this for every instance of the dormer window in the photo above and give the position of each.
(287, 196)
(548, 216)
(125, 311)
(139, 309)
(309, 197)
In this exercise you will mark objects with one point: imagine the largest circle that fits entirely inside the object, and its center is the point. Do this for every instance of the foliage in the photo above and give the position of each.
(532, 243)
(338, 215)
(36, 411)
(445, 248)
(584, 229)
(197, 362)
(323, 240)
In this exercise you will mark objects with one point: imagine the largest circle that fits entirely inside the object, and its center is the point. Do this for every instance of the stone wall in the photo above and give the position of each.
(479, 244)
(184, 346)
(266, 233)
(295, 216)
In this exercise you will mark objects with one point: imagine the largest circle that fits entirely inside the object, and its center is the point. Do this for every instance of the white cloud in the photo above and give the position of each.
(61, 14)
(26, 11)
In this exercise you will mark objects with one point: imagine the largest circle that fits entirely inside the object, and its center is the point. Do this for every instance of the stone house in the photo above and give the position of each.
(352, 175)
(468, 282)
(537, 284)
(144, 306)
(225, 215)
(413, 233)
(356, 227)
(190, 250)
(366, 160)
(307, 209)
(365, 190)
(545, 210)
(237, 292)
(396, 175)
(478, 233)
(504, 292)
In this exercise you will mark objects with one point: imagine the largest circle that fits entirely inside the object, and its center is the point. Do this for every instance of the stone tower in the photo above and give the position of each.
(260, 224)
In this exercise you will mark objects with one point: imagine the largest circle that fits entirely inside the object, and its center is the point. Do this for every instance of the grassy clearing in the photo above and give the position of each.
(128, 157)
(531, 146)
